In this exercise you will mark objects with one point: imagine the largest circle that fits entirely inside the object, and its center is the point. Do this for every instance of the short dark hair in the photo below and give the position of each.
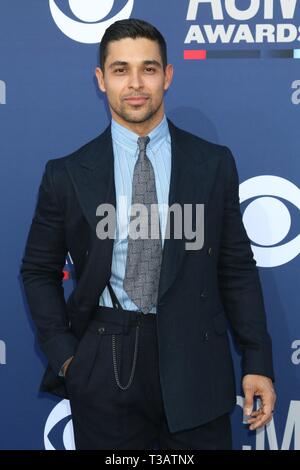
(132, 28)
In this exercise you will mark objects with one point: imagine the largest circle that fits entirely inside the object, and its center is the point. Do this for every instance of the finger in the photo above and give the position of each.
(256, 413)
(248, 403)
(254, 416)
(265, 412)
(268, 397)
(269, 420)
(261, 421)
(268, 405)
(267, 402)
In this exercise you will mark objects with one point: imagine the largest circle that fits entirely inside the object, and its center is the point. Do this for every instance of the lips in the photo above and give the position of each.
(136, 99)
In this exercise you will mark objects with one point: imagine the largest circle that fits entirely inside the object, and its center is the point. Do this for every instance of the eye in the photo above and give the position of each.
(119, 70)
(267, 218)
(150, 70)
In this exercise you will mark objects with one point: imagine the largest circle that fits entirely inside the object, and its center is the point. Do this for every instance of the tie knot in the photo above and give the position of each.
(143, 142)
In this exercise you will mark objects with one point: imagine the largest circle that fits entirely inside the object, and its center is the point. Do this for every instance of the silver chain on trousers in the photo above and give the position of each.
(114, 353)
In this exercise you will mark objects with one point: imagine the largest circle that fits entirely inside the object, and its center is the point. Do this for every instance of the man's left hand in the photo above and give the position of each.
(258, 385)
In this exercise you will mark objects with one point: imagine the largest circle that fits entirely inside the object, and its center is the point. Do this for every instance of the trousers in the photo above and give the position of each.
(115, 393)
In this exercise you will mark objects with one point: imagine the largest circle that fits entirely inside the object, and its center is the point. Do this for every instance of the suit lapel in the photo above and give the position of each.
(192, 175)
(92, 173)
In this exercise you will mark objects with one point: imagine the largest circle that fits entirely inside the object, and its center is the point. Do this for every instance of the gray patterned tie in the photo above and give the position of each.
(144, 254)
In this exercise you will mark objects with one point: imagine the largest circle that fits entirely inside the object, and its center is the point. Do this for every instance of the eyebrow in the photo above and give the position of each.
(145, 62)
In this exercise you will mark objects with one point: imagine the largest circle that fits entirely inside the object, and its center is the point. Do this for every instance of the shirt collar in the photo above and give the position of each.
(128, 139)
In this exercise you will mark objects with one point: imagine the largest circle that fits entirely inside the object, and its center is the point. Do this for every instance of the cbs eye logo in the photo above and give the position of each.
(268, 220)
(58, 432)
(89, 29)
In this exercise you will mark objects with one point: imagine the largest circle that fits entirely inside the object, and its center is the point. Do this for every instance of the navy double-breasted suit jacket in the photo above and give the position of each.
(201, 292)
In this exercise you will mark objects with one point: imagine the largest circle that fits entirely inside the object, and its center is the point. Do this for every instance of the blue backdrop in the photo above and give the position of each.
(237, 83)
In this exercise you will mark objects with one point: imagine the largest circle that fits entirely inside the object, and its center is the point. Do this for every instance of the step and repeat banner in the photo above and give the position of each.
(236, 83)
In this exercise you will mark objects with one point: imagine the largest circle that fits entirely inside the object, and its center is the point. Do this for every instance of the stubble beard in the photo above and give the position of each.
(129, 116)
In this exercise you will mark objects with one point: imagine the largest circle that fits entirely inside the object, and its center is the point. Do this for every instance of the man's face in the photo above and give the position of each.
(134, 80)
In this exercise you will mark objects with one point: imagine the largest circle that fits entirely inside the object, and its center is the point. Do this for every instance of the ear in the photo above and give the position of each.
(169, 72)
(100, 79)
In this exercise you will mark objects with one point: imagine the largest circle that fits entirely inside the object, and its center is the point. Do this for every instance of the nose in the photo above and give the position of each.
(135, 80)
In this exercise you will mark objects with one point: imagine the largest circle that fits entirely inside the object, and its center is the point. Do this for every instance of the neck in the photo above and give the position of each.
(141, 128)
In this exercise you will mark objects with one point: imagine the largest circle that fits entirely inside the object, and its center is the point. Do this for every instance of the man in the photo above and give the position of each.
(141, 348)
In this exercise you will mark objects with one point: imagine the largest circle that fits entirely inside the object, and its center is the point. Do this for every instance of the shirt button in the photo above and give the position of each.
(101, 330)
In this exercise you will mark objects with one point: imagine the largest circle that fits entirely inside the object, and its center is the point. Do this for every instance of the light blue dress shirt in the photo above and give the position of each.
(125, 151)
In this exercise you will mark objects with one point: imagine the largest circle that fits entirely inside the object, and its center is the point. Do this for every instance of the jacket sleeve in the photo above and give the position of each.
(239, 283)
(42, 274)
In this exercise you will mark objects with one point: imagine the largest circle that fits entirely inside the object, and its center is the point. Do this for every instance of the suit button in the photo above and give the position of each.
(203, 295)
(205, 336)
(101, 330)
(209, 251)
